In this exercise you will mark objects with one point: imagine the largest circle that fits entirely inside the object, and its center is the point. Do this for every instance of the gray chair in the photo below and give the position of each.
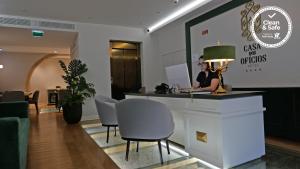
(11, 96)
(107, 113)
(144, 120)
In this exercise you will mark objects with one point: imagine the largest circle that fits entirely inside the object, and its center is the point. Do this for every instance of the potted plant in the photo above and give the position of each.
(77, 90)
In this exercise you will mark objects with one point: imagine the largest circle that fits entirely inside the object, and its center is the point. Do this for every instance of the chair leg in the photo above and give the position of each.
(168, 148)
(127, 150)
(137, 146)
(107, 136)
(115, 130)
(160, 153)
(37, 108)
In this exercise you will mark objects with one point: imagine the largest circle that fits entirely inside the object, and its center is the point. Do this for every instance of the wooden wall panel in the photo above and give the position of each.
(282, 115)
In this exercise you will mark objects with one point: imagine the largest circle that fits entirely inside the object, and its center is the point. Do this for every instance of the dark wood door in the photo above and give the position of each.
(125, 71)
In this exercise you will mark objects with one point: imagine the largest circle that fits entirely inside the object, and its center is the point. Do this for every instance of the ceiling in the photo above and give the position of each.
(21, 40)
(133, 13)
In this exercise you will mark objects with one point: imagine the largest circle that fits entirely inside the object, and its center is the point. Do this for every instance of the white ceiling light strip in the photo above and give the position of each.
(177, 14)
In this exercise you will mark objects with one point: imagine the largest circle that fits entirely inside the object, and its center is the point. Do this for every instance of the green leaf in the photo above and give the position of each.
(79, 88)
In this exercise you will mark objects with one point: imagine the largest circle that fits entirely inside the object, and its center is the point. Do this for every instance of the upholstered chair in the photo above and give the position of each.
(107, 112)
(144, 120)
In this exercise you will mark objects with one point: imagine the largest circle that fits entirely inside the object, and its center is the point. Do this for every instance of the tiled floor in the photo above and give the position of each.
(148, 156)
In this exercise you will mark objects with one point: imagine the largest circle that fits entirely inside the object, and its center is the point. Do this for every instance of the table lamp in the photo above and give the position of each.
(221, 54)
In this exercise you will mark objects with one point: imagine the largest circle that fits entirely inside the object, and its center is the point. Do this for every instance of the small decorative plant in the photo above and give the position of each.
(78, 89)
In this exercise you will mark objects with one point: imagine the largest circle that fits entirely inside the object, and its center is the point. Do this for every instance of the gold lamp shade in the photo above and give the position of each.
(219, 53)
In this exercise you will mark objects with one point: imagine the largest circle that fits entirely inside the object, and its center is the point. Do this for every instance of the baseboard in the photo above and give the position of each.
(89, 117)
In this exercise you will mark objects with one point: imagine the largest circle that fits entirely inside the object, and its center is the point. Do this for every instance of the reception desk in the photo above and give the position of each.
(225, 130)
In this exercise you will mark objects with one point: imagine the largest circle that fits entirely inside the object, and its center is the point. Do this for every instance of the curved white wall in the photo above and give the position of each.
(47, 75)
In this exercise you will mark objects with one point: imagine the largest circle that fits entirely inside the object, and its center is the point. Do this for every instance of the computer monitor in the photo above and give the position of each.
(178, 75)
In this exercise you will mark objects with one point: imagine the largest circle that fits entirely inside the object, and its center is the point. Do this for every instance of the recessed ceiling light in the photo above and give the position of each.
(1, 49)
(177, 14)
(1, 66)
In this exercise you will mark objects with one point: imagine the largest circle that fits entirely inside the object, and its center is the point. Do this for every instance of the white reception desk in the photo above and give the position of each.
(224, 130)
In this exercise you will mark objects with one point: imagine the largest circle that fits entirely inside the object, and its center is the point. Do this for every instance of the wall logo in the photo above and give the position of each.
(253, 57)
(250, 9)
(276, 27)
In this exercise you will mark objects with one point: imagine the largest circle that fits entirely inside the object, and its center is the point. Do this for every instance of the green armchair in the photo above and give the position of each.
(14, 134)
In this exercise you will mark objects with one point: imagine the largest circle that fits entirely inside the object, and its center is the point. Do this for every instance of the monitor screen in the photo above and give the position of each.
(178, 76)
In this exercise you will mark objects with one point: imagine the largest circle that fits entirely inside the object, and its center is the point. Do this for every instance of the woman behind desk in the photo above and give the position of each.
(206, 79)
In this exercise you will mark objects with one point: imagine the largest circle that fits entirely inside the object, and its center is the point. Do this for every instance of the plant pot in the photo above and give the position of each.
(72, 112)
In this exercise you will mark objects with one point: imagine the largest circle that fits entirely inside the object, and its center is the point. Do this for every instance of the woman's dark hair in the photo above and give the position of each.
(209, 67)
